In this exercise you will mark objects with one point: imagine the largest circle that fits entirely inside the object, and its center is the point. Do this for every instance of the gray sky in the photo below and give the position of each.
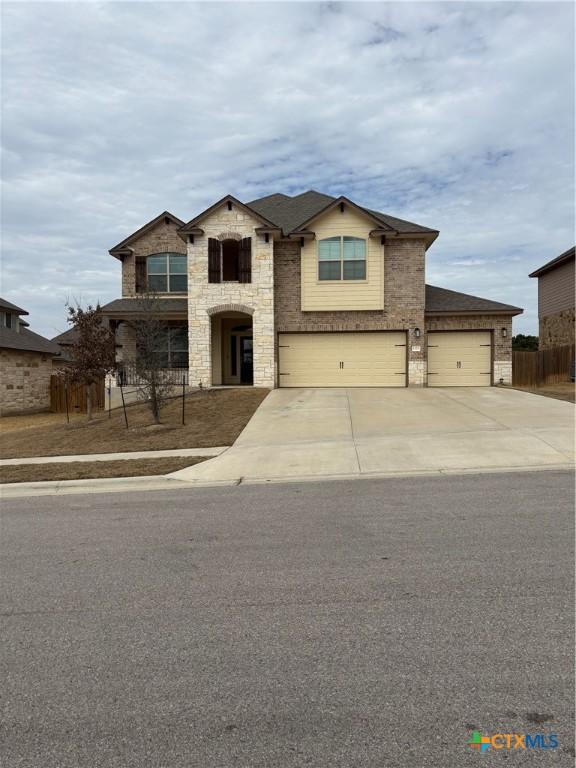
(458, 116)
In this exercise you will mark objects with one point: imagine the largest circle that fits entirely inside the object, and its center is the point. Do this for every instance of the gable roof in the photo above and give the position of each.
(8, 305)
(121, 249)
(562, 259)
(293, 213)
(227, 198)
(27, 341)
(442, 301)
(66, 338)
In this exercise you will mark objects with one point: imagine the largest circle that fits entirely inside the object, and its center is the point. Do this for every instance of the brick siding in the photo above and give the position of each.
(162, 239)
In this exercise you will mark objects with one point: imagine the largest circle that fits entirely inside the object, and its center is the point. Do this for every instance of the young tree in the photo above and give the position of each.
(150, 335)
(92, 353)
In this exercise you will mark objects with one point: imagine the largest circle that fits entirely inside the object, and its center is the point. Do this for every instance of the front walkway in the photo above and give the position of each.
(114, 456)
(315, 433)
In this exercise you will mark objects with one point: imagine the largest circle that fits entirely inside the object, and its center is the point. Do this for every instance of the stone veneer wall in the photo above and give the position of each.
(502, 346)
(25, 385)
(162, 239)
(404, 295)
(557, 330)
(255, 298)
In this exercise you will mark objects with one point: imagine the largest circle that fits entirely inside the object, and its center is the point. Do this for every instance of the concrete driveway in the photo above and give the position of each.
(313, 433)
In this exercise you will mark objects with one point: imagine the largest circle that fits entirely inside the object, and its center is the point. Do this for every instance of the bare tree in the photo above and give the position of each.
(150, 334)
(92, 353)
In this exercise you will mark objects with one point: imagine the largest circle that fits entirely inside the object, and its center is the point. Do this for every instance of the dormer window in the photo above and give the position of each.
(342, 258)
(166, 273)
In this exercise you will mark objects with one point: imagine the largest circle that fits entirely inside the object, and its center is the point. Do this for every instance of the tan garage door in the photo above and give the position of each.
(342, 359)
(459, 359)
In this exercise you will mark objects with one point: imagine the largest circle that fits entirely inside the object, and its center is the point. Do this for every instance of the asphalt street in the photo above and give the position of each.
(348, 624)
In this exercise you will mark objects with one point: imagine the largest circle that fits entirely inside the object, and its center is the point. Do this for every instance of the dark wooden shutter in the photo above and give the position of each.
(245, 261)
(214, 273)
(141, 276)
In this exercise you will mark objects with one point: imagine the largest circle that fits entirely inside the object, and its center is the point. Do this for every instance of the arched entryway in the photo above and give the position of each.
(232, 350)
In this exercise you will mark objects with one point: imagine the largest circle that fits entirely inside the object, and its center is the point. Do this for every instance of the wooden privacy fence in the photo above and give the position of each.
(76, 394)
(547, 366)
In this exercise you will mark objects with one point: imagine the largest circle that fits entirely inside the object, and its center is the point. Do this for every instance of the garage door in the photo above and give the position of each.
(342, 359)
(459, 359)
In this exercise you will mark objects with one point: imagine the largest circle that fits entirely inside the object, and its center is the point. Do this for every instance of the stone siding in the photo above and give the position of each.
(557, 330)
(255, 298)
(502, 345)
(163, 238)
(25, 381)
(404, 293)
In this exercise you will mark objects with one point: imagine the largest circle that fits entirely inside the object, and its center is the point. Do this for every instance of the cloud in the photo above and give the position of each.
(458, 116)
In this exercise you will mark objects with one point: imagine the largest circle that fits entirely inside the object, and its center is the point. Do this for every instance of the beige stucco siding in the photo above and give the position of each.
(324, 295)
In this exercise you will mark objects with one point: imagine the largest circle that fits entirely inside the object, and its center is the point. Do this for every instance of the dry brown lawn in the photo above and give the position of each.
(89, 470)
(213, 417)
(563, 391)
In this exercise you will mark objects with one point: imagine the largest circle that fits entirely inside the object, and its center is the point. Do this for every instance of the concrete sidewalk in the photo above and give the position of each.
(327, 433)
(192, 452)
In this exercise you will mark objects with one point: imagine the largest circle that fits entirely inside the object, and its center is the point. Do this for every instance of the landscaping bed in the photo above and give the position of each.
(91, 470)
(213, 418)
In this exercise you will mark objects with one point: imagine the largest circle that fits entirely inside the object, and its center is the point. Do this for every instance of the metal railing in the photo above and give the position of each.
(128, 375)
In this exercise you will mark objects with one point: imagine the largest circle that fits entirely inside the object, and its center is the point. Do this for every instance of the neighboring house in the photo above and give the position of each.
(65, 342)
(556, 300)
(25, 364)
(309, 290)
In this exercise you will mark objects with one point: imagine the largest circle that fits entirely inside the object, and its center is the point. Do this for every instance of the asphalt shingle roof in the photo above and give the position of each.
(8, 305)
(446, 301)
(133, 305)
(27, 341)
(290, 213)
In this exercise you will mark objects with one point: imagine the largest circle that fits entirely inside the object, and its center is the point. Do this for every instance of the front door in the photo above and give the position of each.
(246, 360)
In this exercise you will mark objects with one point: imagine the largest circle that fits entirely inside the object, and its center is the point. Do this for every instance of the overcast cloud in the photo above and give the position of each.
(458, 116)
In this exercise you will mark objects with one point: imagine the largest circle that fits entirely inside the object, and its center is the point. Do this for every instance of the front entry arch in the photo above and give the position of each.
(232, 349)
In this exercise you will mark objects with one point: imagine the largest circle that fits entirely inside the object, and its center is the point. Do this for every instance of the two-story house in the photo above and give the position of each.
(307, 291)
(556, 300)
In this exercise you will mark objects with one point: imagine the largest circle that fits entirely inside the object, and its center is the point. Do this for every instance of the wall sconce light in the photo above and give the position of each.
(504, 333)
(417, 332)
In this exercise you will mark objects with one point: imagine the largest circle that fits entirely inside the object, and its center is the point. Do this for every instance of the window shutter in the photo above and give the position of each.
(214, 275)
(141, 286)
(245, 261)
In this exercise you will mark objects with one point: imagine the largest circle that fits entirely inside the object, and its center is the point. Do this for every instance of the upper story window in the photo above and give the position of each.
(166, 273)
(342, 258)
(230, 261)
(7, 319)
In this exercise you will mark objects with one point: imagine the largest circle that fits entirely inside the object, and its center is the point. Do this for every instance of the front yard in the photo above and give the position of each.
(91, 470)
(213, 418)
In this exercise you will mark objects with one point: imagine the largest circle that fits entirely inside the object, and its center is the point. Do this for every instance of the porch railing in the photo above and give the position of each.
(128, 375)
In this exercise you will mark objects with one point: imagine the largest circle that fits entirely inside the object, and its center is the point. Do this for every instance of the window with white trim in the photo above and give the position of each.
(166, 273)
(342, 258)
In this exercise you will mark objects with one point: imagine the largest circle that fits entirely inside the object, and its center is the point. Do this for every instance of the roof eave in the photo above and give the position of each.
(187, 228)
(475, 312)
(121, 249)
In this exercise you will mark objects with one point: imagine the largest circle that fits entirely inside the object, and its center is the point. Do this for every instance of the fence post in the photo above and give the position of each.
(66, 398)
(183, 399)
(124, 406)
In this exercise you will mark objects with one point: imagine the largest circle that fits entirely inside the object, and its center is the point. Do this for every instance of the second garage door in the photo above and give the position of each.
(459, 359)
(342, 359)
